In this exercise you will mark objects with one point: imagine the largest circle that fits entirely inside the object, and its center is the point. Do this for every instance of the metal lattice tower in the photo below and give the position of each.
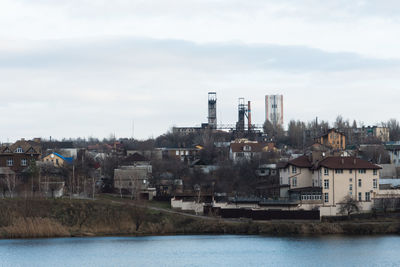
(212, 110)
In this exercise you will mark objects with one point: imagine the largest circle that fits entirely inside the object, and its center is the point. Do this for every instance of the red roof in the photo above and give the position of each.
(301, 162)
(347, 163)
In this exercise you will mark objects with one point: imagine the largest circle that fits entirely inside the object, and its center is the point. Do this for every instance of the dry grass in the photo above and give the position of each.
(34, 228)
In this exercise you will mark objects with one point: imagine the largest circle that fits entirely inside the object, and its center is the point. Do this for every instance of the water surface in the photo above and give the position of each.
(203, 251)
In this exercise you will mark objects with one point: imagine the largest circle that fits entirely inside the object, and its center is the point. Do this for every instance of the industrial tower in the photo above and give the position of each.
(212, 110)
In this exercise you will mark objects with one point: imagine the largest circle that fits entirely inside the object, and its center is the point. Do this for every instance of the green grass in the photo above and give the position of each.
(159, 204)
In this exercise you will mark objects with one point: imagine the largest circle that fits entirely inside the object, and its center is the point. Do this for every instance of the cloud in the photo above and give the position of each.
(134, 53)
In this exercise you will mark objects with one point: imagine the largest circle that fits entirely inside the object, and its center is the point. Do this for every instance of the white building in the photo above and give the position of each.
(326, 183)
(274, 109)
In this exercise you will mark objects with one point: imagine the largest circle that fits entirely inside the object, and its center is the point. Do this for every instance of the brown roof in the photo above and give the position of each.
(255, 147)
(29, 147)
(301, 162)
(346, 163)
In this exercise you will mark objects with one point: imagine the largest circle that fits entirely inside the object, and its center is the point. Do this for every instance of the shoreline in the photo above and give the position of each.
(43, 218)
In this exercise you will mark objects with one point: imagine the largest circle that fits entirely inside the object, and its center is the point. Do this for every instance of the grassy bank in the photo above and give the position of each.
(34, 218)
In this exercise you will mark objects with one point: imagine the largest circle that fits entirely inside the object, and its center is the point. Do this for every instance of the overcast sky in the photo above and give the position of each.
(72, 68)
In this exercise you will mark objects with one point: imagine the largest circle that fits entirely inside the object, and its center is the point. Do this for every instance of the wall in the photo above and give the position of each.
(198, 208)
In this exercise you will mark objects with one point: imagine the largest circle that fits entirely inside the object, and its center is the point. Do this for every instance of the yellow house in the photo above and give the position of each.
(57, 160)
(333, 138)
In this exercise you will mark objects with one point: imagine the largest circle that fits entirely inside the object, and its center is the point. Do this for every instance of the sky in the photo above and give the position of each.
(95, 68)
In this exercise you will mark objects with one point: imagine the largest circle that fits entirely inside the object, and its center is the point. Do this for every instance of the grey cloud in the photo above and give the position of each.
(153, 54)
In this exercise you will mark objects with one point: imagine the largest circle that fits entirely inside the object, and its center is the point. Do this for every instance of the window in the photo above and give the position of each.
(367, 196)
(294, 181)
(10, 162)
(187, 153)
(23, 162)
(359, 196)
(326, 197)
(326, 184)
(351, 187)
(247, 148)
(375, 172)
(359, 183)
(350, 171)
(350, 180)
(375, 183)
(240, 154)
(361, 171)
(19, 150)
(326, 171)
(294, 169)
(338, 171)
(57, 161)
(177, 153)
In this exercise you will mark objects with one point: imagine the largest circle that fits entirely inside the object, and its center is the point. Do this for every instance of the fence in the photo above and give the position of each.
(269, 214)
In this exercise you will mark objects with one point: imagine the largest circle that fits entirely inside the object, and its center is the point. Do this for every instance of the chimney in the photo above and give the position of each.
(248, 116)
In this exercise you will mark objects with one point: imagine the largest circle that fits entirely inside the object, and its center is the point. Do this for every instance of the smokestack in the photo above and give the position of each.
(249, 116)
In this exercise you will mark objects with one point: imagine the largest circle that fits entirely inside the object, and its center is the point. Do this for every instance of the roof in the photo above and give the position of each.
(301, 162)
(346, 163)
(135, 157)
(67, 159)
(28, 147)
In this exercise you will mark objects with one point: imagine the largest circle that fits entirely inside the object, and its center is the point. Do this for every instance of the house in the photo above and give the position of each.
(149, 154)
(188, 154)
(243, 149)
(134, 179)
(325, 182)
(332, 138)
(65, 148)
(268, 185)
(58, 160)
(17, 156)
(167, 185)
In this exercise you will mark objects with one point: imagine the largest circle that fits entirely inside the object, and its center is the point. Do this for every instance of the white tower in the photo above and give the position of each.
(274, 109)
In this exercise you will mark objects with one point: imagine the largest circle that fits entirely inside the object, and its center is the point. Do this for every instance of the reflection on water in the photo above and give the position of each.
(203, 251)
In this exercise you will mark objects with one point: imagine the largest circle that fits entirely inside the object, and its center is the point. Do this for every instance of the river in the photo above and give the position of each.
(203, 251)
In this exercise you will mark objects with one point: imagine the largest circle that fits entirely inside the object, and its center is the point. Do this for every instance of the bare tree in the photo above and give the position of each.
(349, 205)
(11, 182)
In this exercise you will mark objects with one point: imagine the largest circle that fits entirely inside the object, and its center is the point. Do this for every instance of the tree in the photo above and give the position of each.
(394, 129)
(349, 205)
(341, 124)
(138, 214)
(274, 132)
(11, 182)
(386, 203)
(296, 134)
